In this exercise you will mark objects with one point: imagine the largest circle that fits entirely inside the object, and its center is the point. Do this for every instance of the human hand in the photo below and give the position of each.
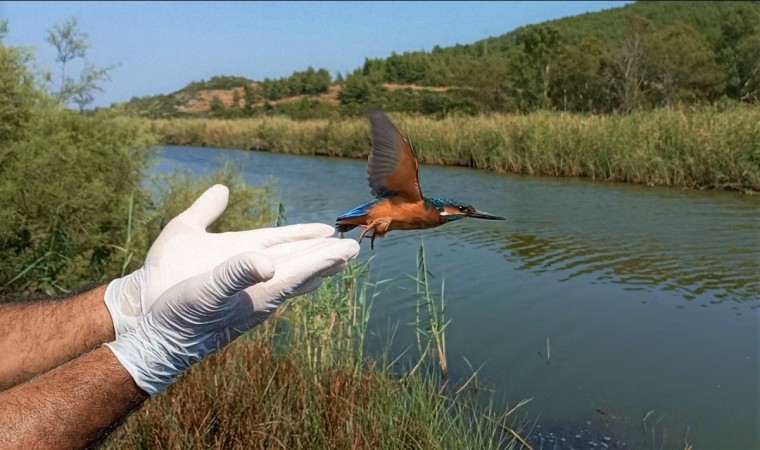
(206, 312)
(184, 249)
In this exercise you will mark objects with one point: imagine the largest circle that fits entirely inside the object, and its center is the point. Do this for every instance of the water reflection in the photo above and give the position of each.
(641, 265)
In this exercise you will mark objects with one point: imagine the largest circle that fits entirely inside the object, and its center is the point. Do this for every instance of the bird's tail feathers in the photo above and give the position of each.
(343, 227)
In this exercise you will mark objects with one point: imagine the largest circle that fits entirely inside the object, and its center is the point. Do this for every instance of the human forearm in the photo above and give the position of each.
(39, 335)
(72, 406)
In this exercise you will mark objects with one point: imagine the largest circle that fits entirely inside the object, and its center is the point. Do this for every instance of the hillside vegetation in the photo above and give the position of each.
(641, 56)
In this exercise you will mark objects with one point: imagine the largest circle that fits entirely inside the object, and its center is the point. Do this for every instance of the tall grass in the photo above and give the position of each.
(430, 323)
(302, 380)
(701, 148)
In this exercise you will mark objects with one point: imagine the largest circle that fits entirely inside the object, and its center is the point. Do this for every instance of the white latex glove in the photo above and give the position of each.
(184, 249)
(204, 313)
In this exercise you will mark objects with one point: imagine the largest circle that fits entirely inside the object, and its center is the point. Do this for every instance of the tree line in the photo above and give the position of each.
(642, 56)
(650, 67)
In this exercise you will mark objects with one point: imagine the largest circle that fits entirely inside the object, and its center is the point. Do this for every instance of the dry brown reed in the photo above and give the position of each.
(701, 148)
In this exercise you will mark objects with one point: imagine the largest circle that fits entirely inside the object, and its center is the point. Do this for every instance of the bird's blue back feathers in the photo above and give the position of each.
(359, 210)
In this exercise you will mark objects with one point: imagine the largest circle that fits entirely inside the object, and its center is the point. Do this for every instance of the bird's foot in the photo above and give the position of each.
(366, 230)
(373, 228)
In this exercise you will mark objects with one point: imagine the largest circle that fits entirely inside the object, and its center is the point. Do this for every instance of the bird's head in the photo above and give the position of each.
(451, 210)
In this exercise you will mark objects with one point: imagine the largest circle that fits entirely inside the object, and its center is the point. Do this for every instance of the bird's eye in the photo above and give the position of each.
(463, 208)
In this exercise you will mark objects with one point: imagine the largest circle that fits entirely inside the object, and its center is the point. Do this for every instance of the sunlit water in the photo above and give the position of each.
(648, 299)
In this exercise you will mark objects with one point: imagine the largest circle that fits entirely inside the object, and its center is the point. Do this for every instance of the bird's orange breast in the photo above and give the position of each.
(399, 214)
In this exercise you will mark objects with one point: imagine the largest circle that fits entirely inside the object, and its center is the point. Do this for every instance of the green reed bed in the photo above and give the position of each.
(702, 148)
(303, 380)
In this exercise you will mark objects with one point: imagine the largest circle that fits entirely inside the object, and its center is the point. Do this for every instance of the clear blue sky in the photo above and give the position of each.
(162, 46)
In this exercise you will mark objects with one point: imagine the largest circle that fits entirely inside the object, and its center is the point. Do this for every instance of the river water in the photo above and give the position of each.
(647, 299)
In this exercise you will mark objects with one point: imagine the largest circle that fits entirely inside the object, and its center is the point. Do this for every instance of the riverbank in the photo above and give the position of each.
(701, 149)
(302, 380)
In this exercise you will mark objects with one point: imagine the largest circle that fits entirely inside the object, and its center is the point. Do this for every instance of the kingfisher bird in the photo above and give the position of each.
(393, 176)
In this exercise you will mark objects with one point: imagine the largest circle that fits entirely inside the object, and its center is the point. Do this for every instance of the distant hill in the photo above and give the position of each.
(610, 24)
(644, 54)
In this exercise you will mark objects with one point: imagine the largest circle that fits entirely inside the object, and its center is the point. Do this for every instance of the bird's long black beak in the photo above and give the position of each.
(484, 215)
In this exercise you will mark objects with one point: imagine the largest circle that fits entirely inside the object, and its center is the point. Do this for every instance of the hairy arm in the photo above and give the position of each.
(72, 406)
(36, 336)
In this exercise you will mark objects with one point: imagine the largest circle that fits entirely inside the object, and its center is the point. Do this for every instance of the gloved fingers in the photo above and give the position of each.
(309, 286)
(314, 283)
(282, 252)
(236, 274)
(334, 270)
(206, 208)
(322, 259)
(296, 271)
(268, 237)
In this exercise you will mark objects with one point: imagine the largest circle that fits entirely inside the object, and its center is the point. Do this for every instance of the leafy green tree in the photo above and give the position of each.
(64, 213)
(312, 82)
(217, 82)
(374, 70)
(629, 64)
(444, 104)
(576, 81)
(75, 207)
(217, 106)
(748, 68)
(251, 95)
(408, 68)
(322, 80)
(523, 89)
(441, 71)
(83, 91)
(739, 53)
(489, 82)
(540, 46)
(357, 89)
(17, 95)
(70, 44)
(151, 106)
(529, 66)
(308, 82)
(682, 65)
(307, 108)
(273, 89)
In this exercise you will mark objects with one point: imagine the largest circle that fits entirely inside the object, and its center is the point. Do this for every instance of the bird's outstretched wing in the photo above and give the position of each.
(393, 168)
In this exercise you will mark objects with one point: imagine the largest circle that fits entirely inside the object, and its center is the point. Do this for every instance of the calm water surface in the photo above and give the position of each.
(649, 297)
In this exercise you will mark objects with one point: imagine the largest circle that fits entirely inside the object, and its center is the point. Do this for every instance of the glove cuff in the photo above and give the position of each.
(148, 358)
(123, 301)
